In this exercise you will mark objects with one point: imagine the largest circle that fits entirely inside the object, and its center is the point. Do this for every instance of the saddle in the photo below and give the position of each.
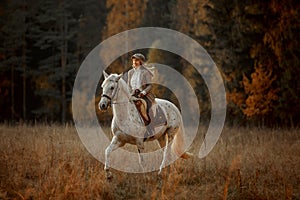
(156, 120)
(141, 106)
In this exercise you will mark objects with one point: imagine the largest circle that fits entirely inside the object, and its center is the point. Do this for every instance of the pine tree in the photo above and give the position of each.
(14, 51)
(158, 13)
(92, 14)
(54, 33)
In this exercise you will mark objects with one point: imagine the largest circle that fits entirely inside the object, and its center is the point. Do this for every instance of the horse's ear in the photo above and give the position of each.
(105, 74)
(119, 76)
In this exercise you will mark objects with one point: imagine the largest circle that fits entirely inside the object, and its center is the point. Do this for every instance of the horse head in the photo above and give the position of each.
(109, 87)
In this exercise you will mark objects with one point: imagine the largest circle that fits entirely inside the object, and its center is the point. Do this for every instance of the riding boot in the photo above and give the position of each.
(150, 127)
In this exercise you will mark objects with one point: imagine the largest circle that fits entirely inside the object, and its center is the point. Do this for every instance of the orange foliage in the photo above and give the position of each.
(260, 93)
(258, 96)
(191, 17)
(236, 97)
(124, 15)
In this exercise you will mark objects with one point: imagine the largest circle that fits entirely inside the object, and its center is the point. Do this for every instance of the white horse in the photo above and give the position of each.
(127, 126)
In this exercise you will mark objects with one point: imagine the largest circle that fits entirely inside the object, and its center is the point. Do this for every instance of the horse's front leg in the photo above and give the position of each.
(114, 144)
(166, 152)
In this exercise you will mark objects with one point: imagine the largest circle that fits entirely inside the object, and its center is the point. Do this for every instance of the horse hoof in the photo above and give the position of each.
(108, 175)
(159, 175)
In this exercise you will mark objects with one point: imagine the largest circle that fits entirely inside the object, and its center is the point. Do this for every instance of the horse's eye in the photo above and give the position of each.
(112, 88)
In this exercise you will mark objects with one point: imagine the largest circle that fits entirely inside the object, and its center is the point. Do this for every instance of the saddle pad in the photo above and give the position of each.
(160, 118)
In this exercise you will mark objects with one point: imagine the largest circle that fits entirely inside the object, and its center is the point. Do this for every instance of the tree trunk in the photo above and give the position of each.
(64, 46)
(12, 93)
(24, 78)
(24, 66)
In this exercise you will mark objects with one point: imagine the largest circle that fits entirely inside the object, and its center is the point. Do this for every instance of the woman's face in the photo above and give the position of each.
(136, 62)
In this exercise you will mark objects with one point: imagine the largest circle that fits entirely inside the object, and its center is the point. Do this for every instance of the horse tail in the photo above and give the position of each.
(178, 144)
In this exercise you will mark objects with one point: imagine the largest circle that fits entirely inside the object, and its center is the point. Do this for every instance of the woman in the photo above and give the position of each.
(139, 82)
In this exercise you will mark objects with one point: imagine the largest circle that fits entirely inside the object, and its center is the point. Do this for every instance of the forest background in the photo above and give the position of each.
(255, 45)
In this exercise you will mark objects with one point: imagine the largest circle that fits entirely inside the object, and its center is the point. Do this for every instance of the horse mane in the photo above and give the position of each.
(122, 82)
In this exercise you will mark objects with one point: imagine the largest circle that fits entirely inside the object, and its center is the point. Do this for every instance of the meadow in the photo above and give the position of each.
(50, 162)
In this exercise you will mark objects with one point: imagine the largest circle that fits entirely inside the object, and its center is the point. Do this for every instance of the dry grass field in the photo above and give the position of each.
(50, 162)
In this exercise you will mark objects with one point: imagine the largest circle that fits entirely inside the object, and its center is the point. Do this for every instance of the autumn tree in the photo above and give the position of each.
(236, 27)
(195, 22)
(260, 92)
(253, 43)
(281, 45)
(271, 87)
(122, 16)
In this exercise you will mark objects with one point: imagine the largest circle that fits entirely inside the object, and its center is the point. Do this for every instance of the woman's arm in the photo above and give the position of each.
(147, 83)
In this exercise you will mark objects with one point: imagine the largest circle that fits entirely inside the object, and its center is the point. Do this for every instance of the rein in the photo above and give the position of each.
(120, 102)
(113, 96)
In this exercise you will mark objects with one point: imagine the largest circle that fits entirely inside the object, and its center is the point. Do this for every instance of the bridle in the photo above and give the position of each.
(116, 90)
(106, 96)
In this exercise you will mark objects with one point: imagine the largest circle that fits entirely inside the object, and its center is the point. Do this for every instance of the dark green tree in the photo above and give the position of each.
(15, 56)
(91, 20)
(54, 33)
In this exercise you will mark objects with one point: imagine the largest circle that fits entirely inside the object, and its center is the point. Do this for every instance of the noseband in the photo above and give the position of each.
(113, 95)
(106, 96)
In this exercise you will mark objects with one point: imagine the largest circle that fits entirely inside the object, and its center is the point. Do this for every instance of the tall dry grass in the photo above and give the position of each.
(49, 162)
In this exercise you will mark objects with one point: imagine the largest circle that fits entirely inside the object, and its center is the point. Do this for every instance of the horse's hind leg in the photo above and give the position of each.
(140, 147)
(141, 160)
(115, 143)
(164, 142)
